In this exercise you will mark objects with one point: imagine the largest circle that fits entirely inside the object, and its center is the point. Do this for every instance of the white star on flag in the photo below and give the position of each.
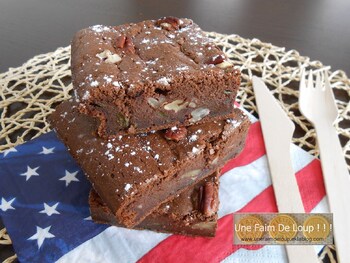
(88, 218)
(50, 210)
(47, 150)
(6, 205)
(41, 234)
(11, 150)
(30, 172)
(69, 177)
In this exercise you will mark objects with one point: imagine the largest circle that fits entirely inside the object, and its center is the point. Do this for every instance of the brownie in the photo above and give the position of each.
(134, 174)
(151, 75)
(193, 212)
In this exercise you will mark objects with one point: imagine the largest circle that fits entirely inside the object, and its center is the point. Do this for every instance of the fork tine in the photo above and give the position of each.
(328, 89)
(303, 92)
(327, 84)
(318, 81)
(310, 80)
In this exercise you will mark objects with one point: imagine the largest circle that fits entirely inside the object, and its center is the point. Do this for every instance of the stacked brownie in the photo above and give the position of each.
(151, 124)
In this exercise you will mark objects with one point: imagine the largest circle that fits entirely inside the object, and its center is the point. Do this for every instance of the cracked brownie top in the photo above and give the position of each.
(130, 55)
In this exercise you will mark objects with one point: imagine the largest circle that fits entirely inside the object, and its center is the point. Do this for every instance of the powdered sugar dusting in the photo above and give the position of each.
(183, 68)
(127, 187)
(234, 123)
(94, 83)
(108, 79)
(100, 28)
(145, 41)
(137, 169)
(164, 81)
(195, 150)
(193, 138)
(116, 84)
(86, 95)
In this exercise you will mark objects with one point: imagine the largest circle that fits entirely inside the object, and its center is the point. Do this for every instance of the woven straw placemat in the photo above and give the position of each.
(29, 94)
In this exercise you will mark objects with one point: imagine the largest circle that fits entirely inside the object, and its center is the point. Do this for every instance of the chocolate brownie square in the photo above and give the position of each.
(134, 174)
(193, 212)
(151, 75)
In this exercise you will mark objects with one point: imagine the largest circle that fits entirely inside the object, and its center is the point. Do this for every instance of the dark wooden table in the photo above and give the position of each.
(316, 28)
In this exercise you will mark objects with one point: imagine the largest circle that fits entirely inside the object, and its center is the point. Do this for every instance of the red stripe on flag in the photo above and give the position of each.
(311, 186)
(254, 148)
(190, 249)
(263, 202)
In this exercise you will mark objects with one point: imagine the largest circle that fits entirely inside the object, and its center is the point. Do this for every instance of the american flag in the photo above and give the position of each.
(44, 206)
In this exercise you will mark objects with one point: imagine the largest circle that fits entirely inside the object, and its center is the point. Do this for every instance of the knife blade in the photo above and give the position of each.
(277, 131)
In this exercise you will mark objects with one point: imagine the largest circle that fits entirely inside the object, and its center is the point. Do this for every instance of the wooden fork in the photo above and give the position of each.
(317, 104)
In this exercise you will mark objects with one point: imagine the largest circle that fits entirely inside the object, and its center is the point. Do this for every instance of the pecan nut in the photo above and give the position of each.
(129, 45)
(175, 134)
(125, 43)
(225, 65)
(216, 60)
(199, 114)
(208, 199)
(120, 41)
(176, 105)
(109, 57)
(191, 174)
(168, 23)
(156, 103)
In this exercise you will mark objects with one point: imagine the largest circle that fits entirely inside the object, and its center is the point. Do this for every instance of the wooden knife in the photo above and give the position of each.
(277, 131)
